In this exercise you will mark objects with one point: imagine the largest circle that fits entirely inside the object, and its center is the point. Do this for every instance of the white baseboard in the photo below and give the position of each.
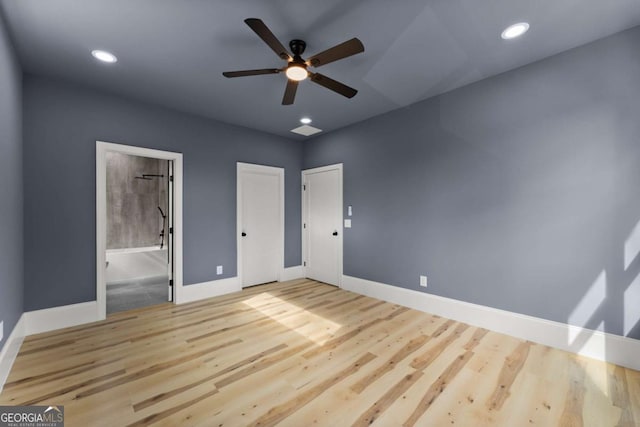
(10, 350)
(595, 344)
(292, 273)
(214, 288)
(48, 319)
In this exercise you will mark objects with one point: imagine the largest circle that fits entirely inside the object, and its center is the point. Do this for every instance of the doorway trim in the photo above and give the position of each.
(305, 230)
(101, 215)
(271, 170)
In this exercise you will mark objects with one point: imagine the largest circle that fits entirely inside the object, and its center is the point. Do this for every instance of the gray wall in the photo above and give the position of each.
(11, 254)
(516, 192)
(133, 218)
(62, 123)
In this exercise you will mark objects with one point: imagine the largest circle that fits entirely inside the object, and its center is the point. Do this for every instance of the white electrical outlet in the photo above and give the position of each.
(219, 270)
(423, 281)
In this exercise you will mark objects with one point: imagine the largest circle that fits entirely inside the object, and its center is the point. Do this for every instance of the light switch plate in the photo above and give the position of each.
(347, 223)
(219, 270)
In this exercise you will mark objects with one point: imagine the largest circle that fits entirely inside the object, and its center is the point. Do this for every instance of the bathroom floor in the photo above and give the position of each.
(136, 294)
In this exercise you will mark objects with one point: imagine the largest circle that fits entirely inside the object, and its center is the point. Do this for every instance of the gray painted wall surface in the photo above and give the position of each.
(62, 123)
(517, 192)
(133, 218)
(11, 254)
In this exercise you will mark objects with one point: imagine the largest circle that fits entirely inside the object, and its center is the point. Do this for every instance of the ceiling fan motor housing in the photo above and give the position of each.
(297, 47)
(297, 67)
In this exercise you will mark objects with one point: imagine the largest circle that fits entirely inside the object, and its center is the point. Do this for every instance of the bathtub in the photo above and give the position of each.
(136, 264)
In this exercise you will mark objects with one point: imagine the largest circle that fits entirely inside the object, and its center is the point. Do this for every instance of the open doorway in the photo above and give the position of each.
(139, 213)
(138, 227)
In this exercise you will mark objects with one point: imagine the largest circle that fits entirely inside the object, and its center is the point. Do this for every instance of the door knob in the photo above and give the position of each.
(244, 234)
(335, 233)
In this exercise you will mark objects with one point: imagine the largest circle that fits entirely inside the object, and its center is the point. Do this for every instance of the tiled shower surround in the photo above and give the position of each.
(133, 217)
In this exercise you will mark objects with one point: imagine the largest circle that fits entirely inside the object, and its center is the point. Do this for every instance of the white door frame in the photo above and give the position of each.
(101, 215)
(271, 170)
(306, 172)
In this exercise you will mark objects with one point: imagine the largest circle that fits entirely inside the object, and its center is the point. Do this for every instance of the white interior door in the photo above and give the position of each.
(260, 223)
(322, 222)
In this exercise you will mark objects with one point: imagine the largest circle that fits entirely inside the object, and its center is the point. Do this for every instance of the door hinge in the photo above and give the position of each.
(171, 283)
(304, 264)
(304, 225)
(170, 230)
(171, 178)
(304, 187)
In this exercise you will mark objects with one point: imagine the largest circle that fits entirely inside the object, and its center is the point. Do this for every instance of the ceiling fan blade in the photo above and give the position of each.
(290, 92)
(245, 73)
(267, 36)
(343, 50)
(333, 85)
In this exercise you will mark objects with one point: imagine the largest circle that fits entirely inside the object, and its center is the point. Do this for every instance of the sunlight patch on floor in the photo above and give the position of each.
(316, 328)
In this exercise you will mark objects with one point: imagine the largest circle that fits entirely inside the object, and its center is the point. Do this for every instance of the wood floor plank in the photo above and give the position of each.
(164, 414)
(572, 415)
(438, 347)
(389, 364)
(304, 353)
(236, 410)
(452, 406)
(155, 369)
(166, 395)
(438, 387)
(512, 367)
(280, 412)
(337, 341)
(314, 368)
(633, 384)
(69, 388)
(619, 392)
(59, 373)
(261, 364)
(531, 404)
(380, 405)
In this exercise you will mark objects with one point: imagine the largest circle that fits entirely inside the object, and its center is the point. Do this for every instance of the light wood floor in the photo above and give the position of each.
(303, 353)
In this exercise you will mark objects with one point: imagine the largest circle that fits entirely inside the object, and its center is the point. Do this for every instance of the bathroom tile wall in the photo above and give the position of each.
(133, 218)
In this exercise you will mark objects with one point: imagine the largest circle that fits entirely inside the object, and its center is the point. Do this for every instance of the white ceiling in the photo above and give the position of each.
(173, 52)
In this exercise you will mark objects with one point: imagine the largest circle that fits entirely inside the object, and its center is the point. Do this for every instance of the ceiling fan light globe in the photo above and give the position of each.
(296, 73)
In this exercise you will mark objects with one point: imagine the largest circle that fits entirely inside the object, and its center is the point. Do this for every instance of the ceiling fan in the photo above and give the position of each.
(297, 69)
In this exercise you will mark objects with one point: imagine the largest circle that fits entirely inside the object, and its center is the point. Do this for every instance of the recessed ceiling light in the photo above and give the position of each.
(305, 120)
(104, 56)
(515, 30)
